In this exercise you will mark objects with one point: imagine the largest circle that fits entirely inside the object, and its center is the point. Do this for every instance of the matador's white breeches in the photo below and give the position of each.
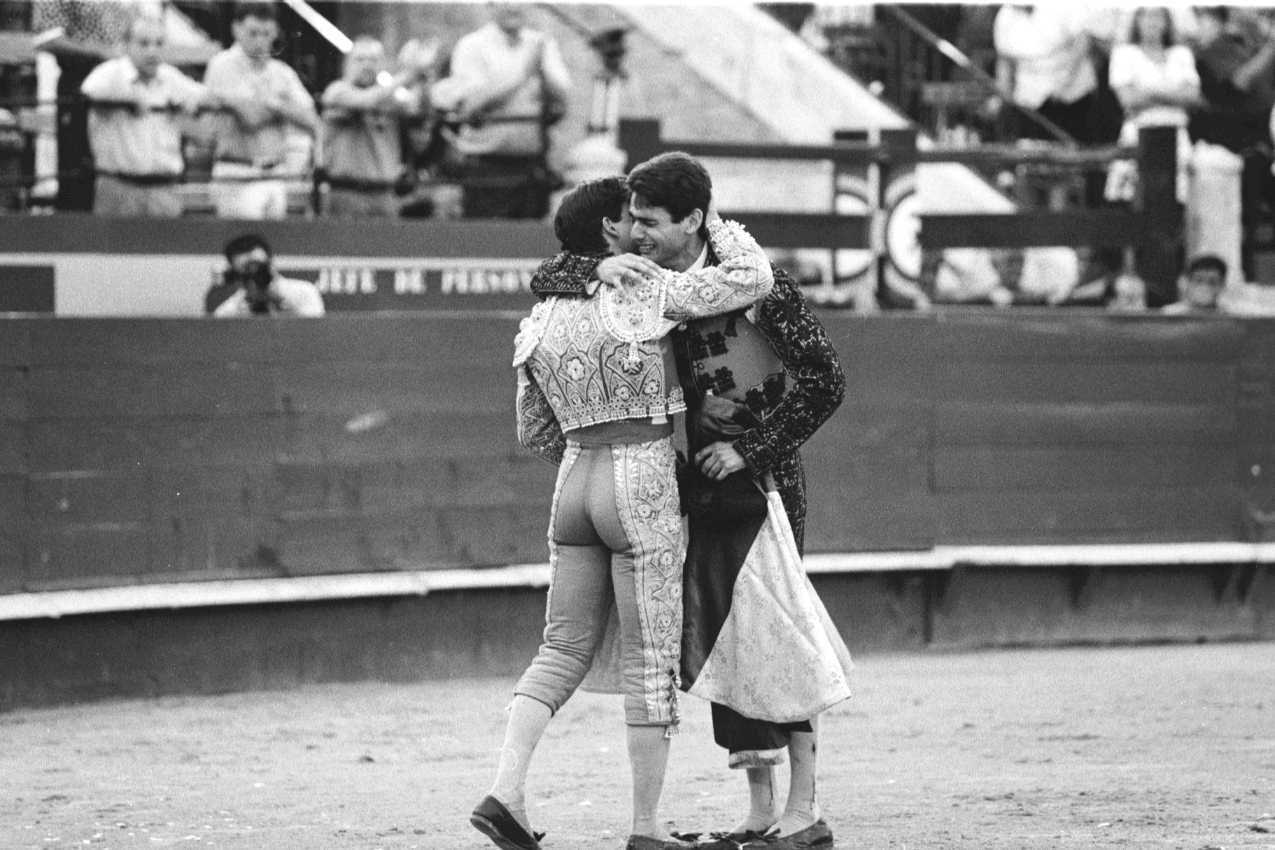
(615, 536)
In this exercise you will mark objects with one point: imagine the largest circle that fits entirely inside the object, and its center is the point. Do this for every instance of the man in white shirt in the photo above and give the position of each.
(259, 289)
(134, 127)
(507, 85)
(1043, 58)
(362, 113)
(264, 102)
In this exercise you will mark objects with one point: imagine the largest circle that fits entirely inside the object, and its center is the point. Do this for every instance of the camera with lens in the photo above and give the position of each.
(254, 278)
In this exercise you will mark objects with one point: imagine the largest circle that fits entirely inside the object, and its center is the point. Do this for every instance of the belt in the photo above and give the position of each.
(143, 179)
(263, 164)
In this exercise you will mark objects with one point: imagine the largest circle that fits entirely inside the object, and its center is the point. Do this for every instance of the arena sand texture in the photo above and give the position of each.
(1129, 747)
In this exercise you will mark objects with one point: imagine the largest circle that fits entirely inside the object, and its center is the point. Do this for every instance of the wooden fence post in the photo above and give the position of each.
(897, 158)
(1159, 256)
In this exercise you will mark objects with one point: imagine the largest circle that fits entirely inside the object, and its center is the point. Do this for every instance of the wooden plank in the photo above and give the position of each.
(83, 392)
(88, 554)
(1182, 513)
(467, 532)
(389, 486)
(14, 532)
(1054, 469)
(807, 230)
(13, 394)
(1045, 335)
(216, 544)
(454, 337)
(1157, 383)
(858, 426)
(476, 481)
(359, 389)
(61, 499)
(343, 541)
(410, 435)
(13, 446)
(15, 342)
(1028, 229)
(859, 521)
(308, 237)
(182, 494)
(159, 343)
(959, 423)
(81, 443)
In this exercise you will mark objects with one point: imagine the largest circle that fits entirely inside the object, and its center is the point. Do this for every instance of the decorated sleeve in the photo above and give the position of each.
(538, 429)
(565, 274)
(742, 276)
(816, 382)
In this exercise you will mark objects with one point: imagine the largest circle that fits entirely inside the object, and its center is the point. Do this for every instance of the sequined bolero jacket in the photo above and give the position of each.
(583, 362)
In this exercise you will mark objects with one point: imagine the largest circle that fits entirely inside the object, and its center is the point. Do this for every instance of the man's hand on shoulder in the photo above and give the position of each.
(627, 270)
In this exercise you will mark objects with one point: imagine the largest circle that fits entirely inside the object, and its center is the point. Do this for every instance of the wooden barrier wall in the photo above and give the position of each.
(150, 450)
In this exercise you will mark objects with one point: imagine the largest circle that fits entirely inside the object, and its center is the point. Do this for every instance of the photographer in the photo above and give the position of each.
(251, 286)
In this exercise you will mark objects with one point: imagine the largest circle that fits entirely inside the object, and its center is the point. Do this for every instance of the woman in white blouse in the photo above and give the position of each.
(1155, 79)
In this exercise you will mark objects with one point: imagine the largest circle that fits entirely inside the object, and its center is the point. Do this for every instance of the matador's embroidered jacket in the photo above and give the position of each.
(574, 371)
(814, 380)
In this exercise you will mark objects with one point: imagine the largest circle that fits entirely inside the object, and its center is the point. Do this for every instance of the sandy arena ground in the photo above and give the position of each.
(1164, 747)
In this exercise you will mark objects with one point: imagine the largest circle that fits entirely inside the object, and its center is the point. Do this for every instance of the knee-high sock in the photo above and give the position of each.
(527, 721)
(802, 808)
(648, 758)
(762, 812)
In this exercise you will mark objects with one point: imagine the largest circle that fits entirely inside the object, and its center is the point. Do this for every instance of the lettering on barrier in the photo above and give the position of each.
(421, 286)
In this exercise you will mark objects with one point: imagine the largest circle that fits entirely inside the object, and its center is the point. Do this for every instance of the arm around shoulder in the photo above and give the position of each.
(742, 277)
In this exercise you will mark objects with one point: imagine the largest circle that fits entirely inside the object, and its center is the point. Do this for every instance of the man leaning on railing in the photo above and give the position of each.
(264, 102)
(362, 114)
(139, 109)
(508, 84)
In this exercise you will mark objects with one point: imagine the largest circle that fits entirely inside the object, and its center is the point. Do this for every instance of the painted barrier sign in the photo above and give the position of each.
(73, 265)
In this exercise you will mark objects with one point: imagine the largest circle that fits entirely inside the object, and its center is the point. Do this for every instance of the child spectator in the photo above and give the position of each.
(1205, 280)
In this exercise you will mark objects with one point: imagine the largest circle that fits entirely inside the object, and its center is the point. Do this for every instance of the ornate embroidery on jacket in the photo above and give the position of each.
(537, 427)
(600, 360)
(590, 377)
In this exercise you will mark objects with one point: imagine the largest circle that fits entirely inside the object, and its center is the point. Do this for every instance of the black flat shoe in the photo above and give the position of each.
(818, 834)
(492, 819)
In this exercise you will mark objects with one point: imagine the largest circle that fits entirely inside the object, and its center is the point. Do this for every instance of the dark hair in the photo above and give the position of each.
(1207, 261)
(259, 9)
(675, 181)
(578, 222)
(245, 244)
(1167, 39)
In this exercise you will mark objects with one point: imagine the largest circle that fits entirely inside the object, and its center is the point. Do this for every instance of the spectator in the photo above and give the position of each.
(1128, 294)
(1043, 58)
(134, 133)
(507, 86)
(252, 287)
(1235, 57)
(1205, 280)
(361, 118)
(1156, 81)
(263, 99)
